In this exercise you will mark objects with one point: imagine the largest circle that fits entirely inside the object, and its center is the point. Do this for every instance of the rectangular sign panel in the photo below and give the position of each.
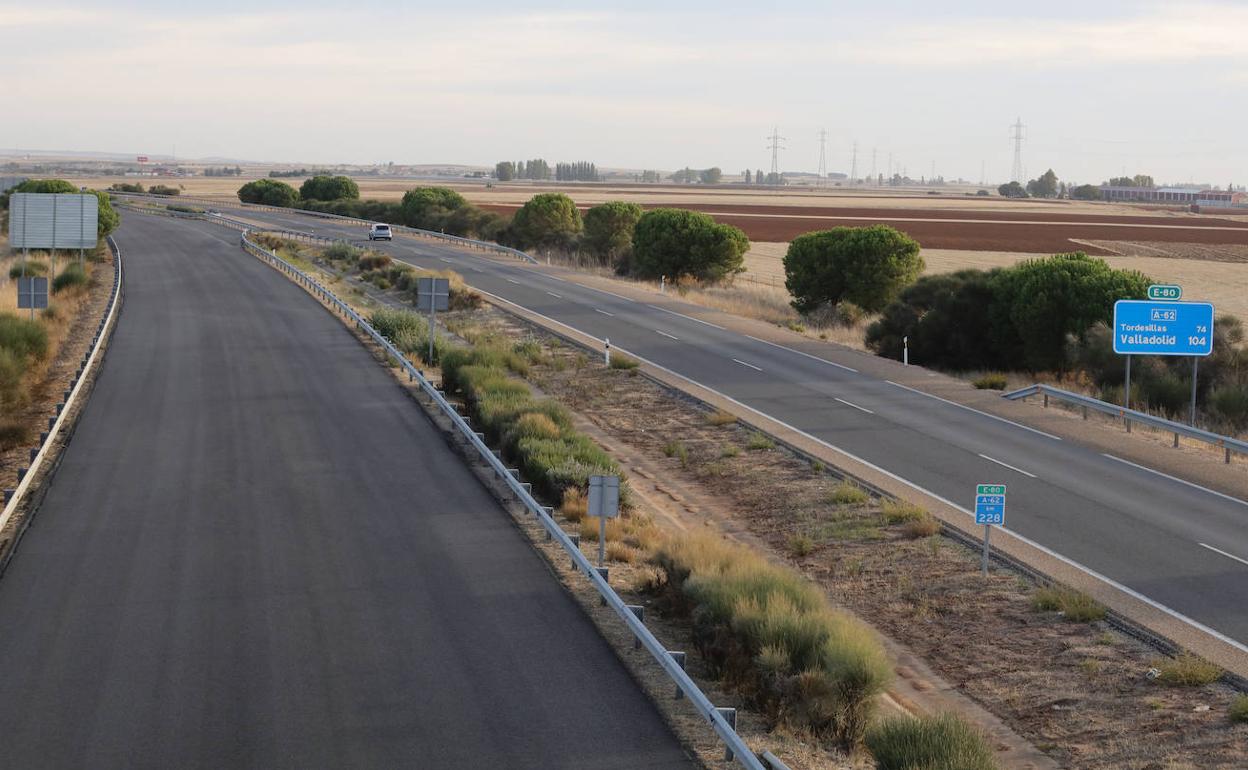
(990, 504)
(53, 220)
(435, 290)
(1166, 292)
(604, 496)
(1146, 327)
(990, 489)
(32, 293)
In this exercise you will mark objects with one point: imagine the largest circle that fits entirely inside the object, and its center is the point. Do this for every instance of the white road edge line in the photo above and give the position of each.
(608, 293)
(976, 411)
(1175, 478)
(752, 366)
(1007, 465)
(859, 408)
(665, 334)
(596, 310)
(1224, 553)
(512, 280)
(800, 353)
(686, 317)
(1196, 624)
(447, 261)
(556, 296)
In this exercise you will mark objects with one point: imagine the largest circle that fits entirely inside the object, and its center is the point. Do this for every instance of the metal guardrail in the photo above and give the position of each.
(721, 720)
(471, 243)
(1129, 416)
(14, 497)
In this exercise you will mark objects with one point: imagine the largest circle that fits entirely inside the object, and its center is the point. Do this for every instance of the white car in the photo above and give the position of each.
(380, 233)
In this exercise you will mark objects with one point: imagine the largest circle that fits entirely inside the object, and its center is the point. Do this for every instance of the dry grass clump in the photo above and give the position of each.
(589, 529)
(801, 545)
(1238, 712)
(774, 638)
(941, 742)
(575, 505)
(924, 526)
(901, 512)
(759, 442)
(1074, 606)
(720, 417)
(623, 552)
(991, 382)
(848, 493)
(1186, 670)
(623, 362)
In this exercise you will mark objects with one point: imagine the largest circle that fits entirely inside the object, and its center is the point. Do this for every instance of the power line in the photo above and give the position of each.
(775, 145)
(1017, 136)
(823, 153)
(873, 178)
(853, 167)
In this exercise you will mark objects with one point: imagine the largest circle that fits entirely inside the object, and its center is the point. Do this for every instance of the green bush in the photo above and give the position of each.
(609, 230)
(773, 636)
(269, 192)
(342, 252)
(13, 432)
(686, 244)
(946, 318)
(23, 338)
(1229, 404)
(867, 266)
(428, 208)
(1186, 670)
(1238, 711)
(164, 189)
(329, 188)
(31, 267)
(548, 220)
(1075, 606)
(374, 261)
(619, 361)
(991, 382)
(941, 742)
(72, 276)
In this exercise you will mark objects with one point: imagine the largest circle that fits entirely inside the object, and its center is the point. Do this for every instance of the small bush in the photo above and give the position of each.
(759, 443)
(342, 252)
(31, 267)
(623, 552)
(623, 362)
(901, 512)
(729, 450)
(13, 433)
(1238, 712)
(801, 545)
(991, 382)
(848, 493)
(720, 417)
(941, 742)
(72, 277)
(1186, 670)
(23, 338)
(677, 450)
(1075, 606)
(575, 505)
(924, 526)
(374, 261)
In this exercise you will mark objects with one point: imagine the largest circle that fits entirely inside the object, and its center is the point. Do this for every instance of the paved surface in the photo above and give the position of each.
(1185, 547)
(258, 553)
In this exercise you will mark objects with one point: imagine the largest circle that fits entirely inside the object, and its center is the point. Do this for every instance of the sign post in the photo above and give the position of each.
(604, 503)
(989, 511)
(1163, 328)
(433, 294)
(32, 293)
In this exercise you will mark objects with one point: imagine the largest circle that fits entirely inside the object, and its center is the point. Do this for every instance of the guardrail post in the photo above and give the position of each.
(605, 574)
(679, 657)
(1046, 400)
(576, 541)
(640, 613)
(730, 716)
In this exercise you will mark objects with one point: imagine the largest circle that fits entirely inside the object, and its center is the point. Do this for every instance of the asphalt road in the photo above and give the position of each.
(259, 553)
(1179, 545)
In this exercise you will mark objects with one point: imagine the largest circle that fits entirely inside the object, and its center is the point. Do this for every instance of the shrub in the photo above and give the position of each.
(677, 450)
(342, 252)
(924, 526)
(548, 220)
(269, 192)
(575, 504)
(729, 450)
(991, 382)
(686, 244)
(901, 512)
(30, 267)
(946, 318)
(163, 189)
(773, 636)
(867, 266)
(848, 493)
(720, 417)
(1075, 606)
(801, 545)
(374, 261)
(1186, 670)
(329, 188)
(609, 230)
(1229, 404)
(12, 432)
(72, 276)
(623, 362)
(941, 742)
(1238, 711)
(759, 442)
(25, 339)
(429, 207)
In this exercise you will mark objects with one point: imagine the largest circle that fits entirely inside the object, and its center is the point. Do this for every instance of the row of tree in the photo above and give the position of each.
(580, 171)
(223, 171)
(758, 177)
(1048, 186)
(271, 192)
(536, 169)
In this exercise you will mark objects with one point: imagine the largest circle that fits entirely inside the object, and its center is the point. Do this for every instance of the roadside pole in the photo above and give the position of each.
(1195, 372)
(604, 503)
(1126, 390)
(606, 352)
(989, 511)
(433, 294)
(905, 351)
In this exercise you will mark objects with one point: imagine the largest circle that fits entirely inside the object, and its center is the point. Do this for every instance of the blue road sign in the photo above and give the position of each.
(1147, 327)
(989, 509)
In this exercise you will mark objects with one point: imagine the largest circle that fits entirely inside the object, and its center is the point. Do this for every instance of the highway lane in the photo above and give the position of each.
(1181, 546)
(258, 553)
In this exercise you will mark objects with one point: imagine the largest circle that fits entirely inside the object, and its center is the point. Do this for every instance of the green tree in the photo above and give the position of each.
(678, 243)
(429, 207)
(505, 170)
(1086, 192)
(329, 188)
(946, 318)
(1044, 187)
(747, 177)
(269, 192)
(711, 175)
(609, 230)
(759, 178)
(45, 186)
(108, 218)
(867, 266)
(548, 220)
(1012, 190)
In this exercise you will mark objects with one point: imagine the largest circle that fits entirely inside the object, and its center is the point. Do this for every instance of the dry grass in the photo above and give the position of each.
(848, 493)
(574, 506)
(924, 526)
(901, 512)
(720, 417)
(1073, 605)
(1186, 670)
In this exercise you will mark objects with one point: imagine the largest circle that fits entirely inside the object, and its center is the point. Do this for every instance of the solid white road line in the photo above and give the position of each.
(596, 310)
(1224, 553)
(917, 487)
(859, 408)
(1181, 481)
(665, 334)
(444, 259)
(556, 278)
(556, 296)
(1007, 465)
(512, 280)
(608, 293)
(752, 366)
(976, 411)
(807, 355)
(686, 317)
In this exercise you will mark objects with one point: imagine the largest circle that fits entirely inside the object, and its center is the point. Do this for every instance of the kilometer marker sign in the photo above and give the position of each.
(989, 511)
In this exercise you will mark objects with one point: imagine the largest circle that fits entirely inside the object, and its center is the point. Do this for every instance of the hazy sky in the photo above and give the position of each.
(1103, 86)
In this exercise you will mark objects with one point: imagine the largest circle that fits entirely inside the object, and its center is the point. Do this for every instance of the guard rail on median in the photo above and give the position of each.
(471, 243)
(719, 719)
(1129, 416)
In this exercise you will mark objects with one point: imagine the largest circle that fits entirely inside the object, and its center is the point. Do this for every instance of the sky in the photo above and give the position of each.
(1103, 87)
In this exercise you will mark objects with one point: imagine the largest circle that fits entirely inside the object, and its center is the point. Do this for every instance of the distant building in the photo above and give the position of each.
(1180, 195)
